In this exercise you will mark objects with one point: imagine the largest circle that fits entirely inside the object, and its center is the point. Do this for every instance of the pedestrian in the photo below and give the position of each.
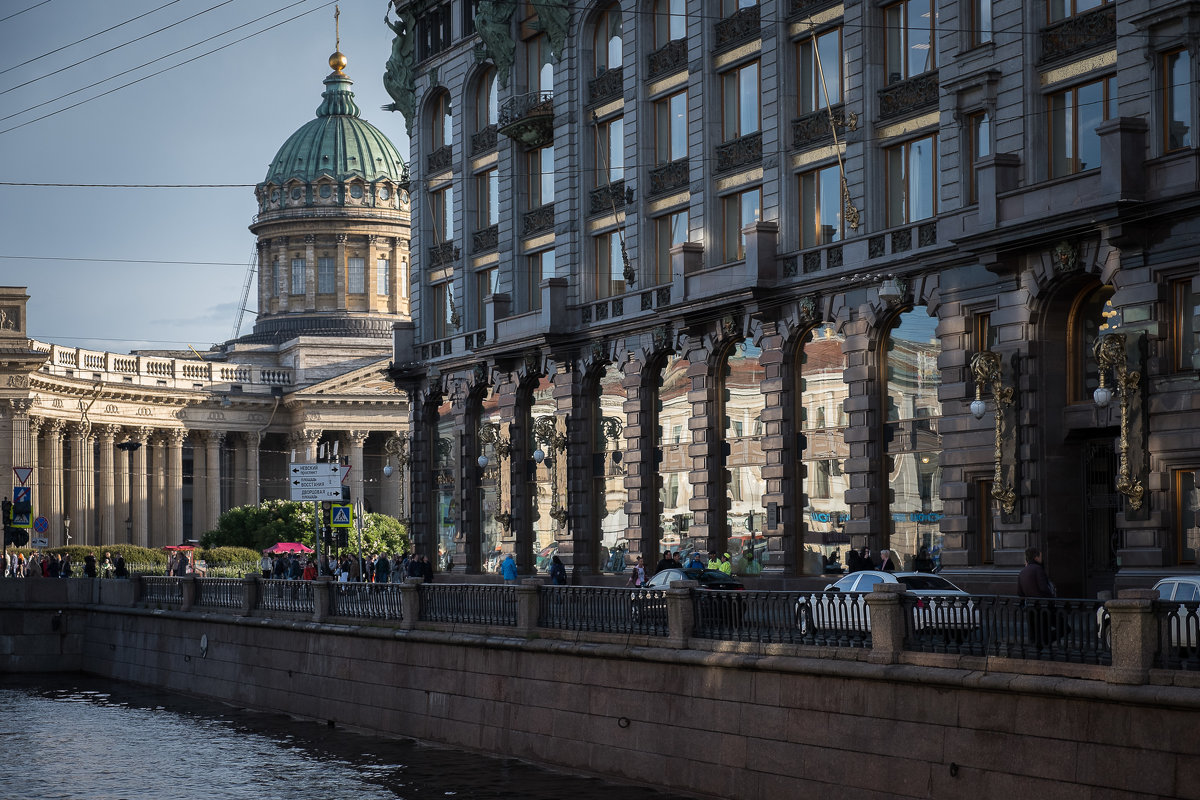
(750, 564)
(695, 562)
(310, 571)
(922, 562)
(508, 569)
(558, 572)
(265, 565)
(865, 559)
(64, 569)
(53, 567)
(713, 561)
(89, 565)
(1033, 583)
(637, 576)
(33, 567)
(383, 568)
(666, 562)
(885, 561)
(119, 569)
(726, 565)
(106, 569)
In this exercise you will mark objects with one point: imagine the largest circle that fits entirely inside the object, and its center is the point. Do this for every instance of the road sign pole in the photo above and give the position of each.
(317, 518)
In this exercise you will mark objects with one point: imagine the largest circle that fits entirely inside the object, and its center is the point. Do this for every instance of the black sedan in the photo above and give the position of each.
(707, 578)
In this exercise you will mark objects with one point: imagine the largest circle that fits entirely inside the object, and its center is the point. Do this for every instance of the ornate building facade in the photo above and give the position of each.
(150, 447)
(796, 276)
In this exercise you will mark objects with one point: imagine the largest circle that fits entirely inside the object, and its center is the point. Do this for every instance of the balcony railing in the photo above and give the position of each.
(1074, 35)
(529, 119)
(608, 85)
(669, 58)
(741, 152)
(742, 26)
(906, 97)
(670, 177)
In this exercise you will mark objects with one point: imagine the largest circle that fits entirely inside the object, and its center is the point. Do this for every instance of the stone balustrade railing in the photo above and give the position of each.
(172, 373)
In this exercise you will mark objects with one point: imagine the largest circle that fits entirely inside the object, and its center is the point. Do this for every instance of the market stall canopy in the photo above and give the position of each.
(287, 547)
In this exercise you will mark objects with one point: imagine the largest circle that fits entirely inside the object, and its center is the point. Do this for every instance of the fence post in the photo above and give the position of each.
(250, 589)
(681, 614)
(887, 623)
(189, 592)
(322, 585)
(527, 605)
(139, 589)
(410, 603)
(1133, 631)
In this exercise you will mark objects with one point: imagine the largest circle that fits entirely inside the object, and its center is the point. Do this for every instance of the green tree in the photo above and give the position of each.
(382, 533)
(258, 527)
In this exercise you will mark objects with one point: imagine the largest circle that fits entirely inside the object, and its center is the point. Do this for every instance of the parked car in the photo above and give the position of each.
(941, 606)
(1184, 629)
(653, 609)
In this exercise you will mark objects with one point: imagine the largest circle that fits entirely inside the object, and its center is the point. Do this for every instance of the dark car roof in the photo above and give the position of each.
(707, 578)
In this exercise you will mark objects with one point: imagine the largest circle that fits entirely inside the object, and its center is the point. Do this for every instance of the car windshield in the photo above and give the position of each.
(929, 583)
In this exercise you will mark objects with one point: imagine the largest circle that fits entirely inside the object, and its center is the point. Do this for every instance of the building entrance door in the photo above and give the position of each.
(1100, 504)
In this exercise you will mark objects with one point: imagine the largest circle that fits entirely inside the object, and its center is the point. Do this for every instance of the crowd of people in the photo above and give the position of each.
(52, 565)
(371, 568)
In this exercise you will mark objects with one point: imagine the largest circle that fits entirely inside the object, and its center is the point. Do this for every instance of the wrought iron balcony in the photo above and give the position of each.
(908, 96)
(813, 129)
(440, 159)
(483, 140)
(1076, 34)
(741, 152)
(669, 177)
(529, 119)
(669, 58)
(486, 239)
(608, 85)
(537, 220)
(608, 199)
(742, 26)
(443, 255)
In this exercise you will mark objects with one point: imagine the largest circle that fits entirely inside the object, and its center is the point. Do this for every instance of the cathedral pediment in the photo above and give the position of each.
(369, 382)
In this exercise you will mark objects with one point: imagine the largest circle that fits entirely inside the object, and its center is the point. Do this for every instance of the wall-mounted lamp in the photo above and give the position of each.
(482, 461)
(387, 469)
(985, 367)
(1109, 350)
(539, 455)
(489, 433)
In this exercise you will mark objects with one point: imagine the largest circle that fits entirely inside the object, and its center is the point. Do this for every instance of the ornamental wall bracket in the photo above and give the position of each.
(1110, 353)
(807, 306)
(504, 519)
(546, 433)
(489, 434)
(985, 367)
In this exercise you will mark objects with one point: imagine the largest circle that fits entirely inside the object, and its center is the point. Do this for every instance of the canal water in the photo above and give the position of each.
(83, 738)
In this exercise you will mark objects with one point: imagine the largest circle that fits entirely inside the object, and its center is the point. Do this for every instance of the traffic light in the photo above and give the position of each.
(343, 538)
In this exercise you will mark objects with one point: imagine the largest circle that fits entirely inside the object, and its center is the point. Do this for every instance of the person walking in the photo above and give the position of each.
(1032, 584)
(265, 565)
(637, 576)
(89, 566)
(558, 572)
(886, 563)
(508, 569)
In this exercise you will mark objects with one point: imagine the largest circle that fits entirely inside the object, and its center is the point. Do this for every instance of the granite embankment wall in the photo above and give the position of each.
(762, 722)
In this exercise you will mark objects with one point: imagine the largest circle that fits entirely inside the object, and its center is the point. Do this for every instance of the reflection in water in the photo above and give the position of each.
(81, 737)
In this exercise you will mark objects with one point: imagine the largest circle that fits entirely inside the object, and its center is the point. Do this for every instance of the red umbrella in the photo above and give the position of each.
(288, 547)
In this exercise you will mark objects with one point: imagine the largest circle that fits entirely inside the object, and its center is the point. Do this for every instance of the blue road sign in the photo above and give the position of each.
(22, 494)
(41, 524)
(341, 515)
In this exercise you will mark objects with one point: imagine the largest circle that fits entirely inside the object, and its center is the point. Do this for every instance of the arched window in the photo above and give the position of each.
(741, 409)
(487, 100)
(543, 479)
(670, 21)
(609, 494)
(671, 441)
(606, 42)
(441, 122)
(912, 470)
(819, 368)
(445, 523)
(488, 487)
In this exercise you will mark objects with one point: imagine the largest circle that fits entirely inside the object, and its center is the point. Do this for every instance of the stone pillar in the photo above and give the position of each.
(139, 508)
(887, 623)
(174, 529)
(199, 483)
(1133, 632)
(527, 606)
(106, 494)
(82, 485)
(681, 615)
(867, 525)
(640, 460)
(370, 282)
(310, 272)
(123, 510)
(212, 479)
(340, 271)
(252, 440)
(783, 466)
(310, 438)
(158, 491)
(33, 482)
(53, 488)
(357, 440)
(283, 272)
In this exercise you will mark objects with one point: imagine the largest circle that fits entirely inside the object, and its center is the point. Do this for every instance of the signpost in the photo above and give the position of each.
(315, 482)
(341, 515)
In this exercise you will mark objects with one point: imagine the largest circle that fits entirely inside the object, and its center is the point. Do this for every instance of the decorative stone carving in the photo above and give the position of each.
(1065, 257)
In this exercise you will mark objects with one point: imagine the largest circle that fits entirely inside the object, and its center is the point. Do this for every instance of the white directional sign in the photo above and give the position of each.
(311, 482)
(320, 493)
(313, 470)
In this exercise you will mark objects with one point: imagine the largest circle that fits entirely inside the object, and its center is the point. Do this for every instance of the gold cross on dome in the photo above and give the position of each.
(337, 33)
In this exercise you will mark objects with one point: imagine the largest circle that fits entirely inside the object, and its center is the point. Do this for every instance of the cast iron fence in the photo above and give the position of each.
(220, 592)
(468, 603)
(160, 590)
(1178, 626)
(366, 600)
(600, 609)
(284, 595)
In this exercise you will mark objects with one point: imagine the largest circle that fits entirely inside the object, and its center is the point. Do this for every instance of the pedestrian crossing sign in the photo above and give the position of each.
(341, 515)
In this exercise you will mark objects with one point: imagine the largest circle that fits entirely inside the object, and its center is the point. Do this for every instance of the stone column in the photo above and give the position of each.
(123, 510)
(310, 272)
(309, 439)
(199, 482)
(174, 529)
(252, 439)
(53, 500)
(370, 279)
(283, 267)
(139, 508)
(82, 480)
(357, 440)
(158, 490)
(237, 470)
(35, 429)
(340, 270)
(106, 496)
(212, 479)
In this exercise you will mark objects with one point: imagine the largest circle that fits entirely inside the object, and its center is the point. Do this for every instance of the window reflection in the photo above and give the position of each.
(672, 440)
(608, 471)
(820, 393)
(742, 409)
(445, 490)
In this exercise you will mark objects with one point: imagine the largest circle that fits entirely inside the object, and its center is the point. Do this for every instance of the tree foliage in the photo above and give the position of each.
(258, 527)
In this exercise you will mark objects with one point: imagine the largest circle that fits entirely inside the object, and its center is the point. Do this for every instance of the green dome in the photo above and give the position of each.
(337, 144)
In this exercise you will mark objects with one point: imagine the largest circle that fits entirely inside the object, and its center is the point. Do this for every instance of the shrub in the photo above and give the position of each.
(258, 527)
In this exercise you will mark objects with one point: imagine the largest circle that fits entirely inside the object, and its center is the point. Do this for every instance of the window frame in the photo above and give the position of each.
(441, 121)
(541, 182)
(486, 278)
(812, 237)
(1184, 303)
(606, 253)
(326, 275)
(487, 198)
(356, 275)
(1071, 9)
(665, 21)
(602, 44)
(898, 35)
(905, 147)
(662, 255)
(1177, 505)
(298, 281)
(441, 213)
(982, 23)
(383, 276)
(487, 100)
(1168, 101)
(1108, 101)
(810, 86)
(732, 84)
(978, 130)
(737, 252)
(668, 125)
(609, 155)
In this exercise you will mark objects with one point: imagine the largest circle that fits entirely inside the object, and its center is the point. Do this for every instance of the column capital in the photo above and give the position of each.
(141, 435)
(36, 424)
(209, 437)
(175, 436)
(307, 436)
(81, 430)
(107, 434)
(358, 437)
(252, 438)
(55, 428)
(20, 405)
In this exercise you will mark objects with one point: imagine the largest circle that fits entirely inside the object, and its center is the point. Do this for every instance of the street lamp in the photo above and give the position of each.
(67, 528)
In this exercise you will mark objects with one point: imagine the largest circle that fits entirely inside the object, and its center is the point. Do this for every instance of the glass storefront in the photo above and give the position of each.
(608, 472)
(489, 489)
(541, 478)
(743, 405)
(445, 447)
(912, 437)
(820, 399)
(672, 438)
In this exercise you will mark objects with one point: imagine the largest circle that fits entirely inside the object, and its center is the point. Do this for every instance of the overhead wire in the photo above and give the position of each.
(23, 10)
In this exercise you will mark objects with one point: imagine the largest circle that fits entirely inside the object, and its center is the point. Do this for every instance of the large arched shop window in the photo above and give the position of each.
(741, 408)
(540, 485)
(819, 396)
(445, 489)
(609, 494)
(911, 433)
(671, 440)
(489, 488)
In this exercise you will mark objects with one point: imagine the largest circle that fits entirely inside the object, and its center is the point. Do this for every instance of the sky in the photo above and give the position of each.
(127, 268)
